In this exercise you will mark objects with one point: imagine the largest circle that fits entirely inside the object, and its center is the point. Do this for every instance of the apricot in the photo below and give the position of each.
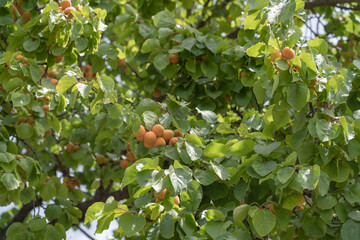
(168, 134)
(173, 58)
(178, 133)
(26, 17)
(301, 201)
(45, 108)
(160, 141)
(148, 145)
(54, 81)
(161, 195)
(65, 4)
(101, 159)
(140, 132)
(156, 93)
(121, 62)
(158, 129)
(70, 147)
(177, 200)
(243, 74)
(59, 58)
(288, 53)
(124, 163)
(68, 10)
(173, 140)
(130, 156)
(275, 55)
(128, 146)
(149, 138)
(140, 138)
(48, 133)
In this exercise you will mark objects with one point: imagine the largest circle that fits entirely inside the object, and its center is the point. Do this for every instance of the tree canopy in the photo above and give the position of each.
(192, 119)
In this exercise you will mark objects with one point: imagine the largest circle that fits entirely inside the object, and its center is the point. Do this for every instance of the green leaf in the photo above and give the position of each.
(37, 224)
(131, 224)
(204, 177)
(31, 44)
(52, 233)
(194, 152)
(10, 182)
(350, 230)
(213, 214)
(54, 211)
(220, 171)
(355, 215)
(314, 227)
(326, 130)
(164, 19)
(298, 95)
(179, 178)
(150, 119)
(257, 4)
(20, 99)
(266, 149)
(190, 65)
(263, 168)
(48, 191)
(326, 202)
(307, 58)
(65, 83)
(284, 174)
(161, 61)
(320, 44)
(308, 177)
(256, 50)
(263, 221)
(209, 68)
(24, 130)
(35, 72)
(93, 212)
(106, 83)
(240, 213)
(149, 45)
(242, 147)
(208, 116)
(211, 43)
(216, 150)
(193, 139)
(167, 226)
(281, 118)
(6, 157)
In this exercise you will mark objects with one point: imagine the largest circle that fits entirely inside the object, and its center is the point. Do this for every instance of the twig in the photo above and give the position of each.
(29, 146)
(257, 103)
(85, 233)
(134, 71)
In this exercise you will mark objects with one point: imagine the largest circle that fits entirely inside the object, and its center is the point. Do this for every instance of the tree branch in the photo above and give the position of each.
(326, 3)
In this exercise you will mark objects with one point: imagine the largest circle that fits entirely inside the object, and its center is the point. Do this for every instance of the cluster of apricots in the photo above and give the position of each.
(51, 75)
(19, 58)
(158, 136)
(161, 196)
(16, 8)
(129, 157)
(66, 8)
(286, 54)
(71, 182)
(101, 160)
(70, 148)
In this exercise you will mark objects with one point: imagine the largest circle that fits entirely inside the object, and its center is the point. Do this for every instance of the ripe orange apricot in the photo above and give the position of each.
(130, 156)
(46, 108)
(148, 145)
(54, 81)
(168, 134)
(173, 140)
(275, 55)
(140, 132)
(70, 148)
(177, 200)
(160, 141)
(65, 4)
(178, 133)
(68, 10)
(158, 129)
(156, 93)
(288, 53)
(121, 62)
(59, 58)
(124, 163)
(160, 196)
(173, 58)
(243, 74)
(149, 138)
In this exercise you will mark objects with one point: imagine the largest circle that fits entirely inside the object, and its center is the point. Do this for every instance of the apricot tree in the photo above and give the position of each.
(193, 119)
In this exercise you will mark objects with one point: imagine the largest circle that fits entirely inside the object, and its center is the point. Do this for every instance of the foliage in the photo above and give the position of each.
(266, 147)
